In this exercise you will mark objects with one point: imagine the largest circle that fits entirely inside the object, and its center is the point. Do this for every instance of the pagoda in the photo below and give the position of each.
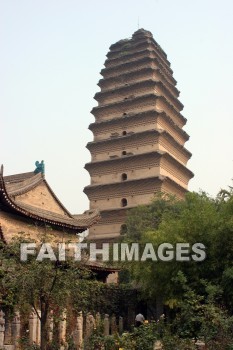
(138, 147)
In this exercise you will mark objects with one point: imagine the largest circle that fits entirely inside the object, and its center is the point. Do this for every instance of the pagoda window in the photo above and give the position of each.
(124, 133)
(124, 177)
(124, 113)
(124, 202)
(124, 153)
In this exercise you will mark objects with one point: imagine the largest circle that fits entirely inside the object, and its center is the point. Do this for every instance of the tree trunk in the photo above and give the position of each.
(43, 324)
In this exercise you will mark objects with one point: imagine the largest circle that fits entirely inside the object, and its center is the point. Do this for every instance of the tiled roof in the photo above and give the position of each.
(23, 186)
(14, 185)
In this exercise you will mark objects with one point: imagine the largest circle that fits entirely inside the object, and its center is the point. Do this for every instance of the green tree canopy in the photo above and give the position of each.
(196, 219)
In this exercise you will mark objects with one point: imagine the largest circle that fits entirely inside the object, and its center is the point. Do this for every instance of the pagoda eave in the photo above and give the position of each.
(141, 182)
(157, 154)
(127, 103)
(132, 66)
(91, 145)
(149, 83)
(133, 116)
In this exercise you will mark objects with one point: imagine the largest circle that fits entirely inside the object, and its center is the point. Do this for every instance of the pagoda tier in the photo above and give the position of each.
(138, 89)
(136, 123)
(124, 193)
(136, 76)
(138, 143)
(117, 200)
(136, 45)
(136, 166)
(145, 62)
(132, 104)
(138, 147)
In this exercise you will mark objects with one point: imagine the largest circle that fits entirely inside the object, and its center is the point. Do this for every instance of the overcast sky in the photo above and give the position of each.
(51, 54)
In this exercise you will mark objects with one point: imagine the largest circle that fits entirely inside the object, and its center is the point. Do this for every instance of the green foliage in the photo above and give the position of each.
(44, 286)
(33, 281)
(24, 344)
(170, 341)
(197, 219)
(198, 320)
(95, 297)
(144, 218)
(142, 338)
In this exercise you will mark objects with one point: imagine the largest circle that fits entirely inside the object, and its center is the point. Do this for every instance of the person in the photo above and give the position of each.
(139, 320)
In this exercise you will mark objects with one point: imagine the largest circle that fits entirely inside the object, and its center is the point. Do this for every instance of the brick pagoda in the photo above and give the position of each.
(138, 147)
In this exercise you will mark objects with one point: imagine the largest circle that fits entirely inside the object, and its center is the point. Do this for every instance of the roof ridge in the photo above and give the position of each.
(40, 214)
(21, 187)
(18, 177)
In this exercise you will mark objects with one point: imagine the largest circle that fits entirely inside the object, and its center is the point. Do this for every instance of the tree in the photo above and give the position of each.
(197, 219)
(42, 285)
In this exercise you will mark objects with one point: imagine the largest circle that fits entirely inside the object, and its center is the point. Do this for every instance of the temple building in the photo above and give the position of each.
(28, 206)
(29, 209)
(138, 147)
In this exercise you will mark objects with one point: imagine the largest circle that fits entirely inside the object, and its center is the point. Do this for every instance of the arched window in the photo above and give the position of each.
(123, 230)
(124, 153)
(124, 177)
(124, 202)
(124, 133)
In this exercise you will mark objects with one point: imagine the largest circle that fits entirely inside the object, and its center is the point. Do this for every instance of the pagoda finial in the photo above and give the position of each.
(40, 167)
(1, 171)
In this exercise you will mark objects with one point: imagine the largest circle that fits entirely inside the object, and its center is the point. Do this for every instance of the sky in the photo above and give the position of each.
(51, 54)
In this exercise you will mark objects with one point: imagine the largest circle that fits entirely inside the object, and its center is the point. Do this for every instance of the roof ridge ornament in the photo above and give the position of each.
(40, 167)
